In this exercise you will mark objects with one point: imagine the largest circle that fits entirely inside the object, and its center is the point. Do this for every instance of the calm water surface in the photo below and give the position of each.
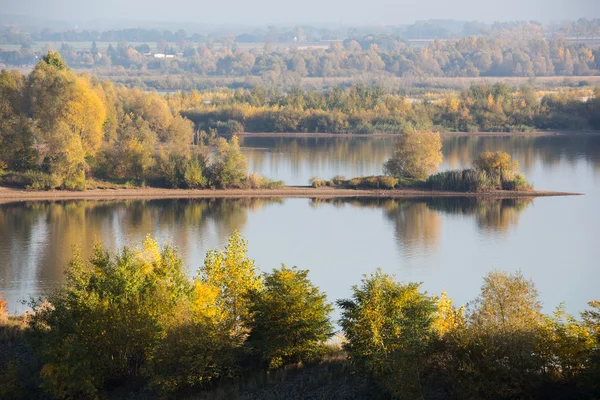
(448, 244)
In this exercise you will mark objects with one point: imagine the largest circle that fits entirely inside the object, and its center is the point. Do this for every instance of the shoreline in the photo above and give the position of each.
(9, 195)
(384, 135)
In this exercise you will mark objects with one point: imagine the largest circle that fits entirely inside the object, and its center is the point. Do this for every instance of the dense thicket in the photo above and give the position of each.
(362, 109)
(59, 129)
(134, 321)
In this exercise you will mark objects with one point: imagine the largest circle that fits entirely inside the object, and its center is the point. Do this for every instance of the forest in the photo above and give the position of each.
(132, 321)
(510, 50)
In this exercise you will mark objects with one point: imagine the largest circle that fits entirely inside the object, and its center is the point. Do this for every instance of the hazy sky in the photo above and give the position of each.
(260, 12)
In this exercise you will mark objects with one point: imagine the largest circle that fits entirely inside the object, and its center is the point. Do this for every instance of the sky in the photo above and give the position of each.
(261, 12)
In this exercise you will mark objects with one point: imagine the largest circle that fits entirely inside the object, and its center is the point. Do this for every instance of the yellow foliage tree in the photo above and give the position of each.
(417, 154)
(234, 276)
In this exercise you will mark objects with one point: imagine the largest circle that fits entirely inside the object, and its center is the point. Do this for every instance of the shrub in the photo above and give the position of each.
(194, 352)
(256, 181)
(229, 168)
(509, 348)
(497, 165)
(373, 182)
(466, 180)
(338, 180)
(41, 181)
(517, 183)
(170, 168)
(230, 127)
(317, 182)
(289, 303)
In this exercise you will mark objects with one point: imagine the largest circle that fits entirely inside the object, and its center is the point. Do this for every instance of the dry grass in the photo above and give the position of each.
(332, 378)
(12, 327)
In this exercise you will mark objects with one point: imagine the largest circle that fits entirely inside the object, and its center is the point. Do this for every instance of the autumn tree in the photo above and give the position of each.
(290, 319)
(104, 325)
(231, 276)
(69, 116)
(388, 327)
(417, 154)
(17, 151)
(497, 165)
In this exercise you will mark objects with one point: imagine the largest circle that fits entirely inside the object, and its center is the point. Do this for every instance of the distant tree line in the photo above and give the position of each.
(523, 50)
(429, 29)
(363, 109)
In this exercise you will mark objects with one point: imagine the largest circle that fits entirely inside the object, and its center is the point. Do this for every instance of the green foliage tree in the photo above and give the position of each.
(105, 324)
(17, 149)
(229, 168)
(53, 59)
(290, 319)
(417, 154)
(388, 328)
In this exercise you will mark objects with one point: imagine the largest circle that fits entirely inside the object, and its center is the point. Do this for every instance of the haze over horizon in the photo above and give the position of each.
(262, 12)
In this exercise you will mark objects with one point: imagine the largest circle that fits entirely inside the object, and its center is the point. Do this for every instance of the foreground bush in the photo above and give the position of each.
(501, 347)
(134, 321)
(388, 327)
(290, 319)
(105, 325)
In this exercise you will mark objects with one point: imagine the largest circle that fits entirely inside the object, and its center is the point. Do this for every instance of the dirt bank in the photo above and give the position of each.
(8, 195)
(379, 135)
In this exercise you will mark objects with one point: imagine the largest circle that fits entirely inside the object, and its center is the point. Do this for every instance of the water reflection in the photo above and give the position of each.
(37, 238)
(417, 222)
(491, 215)
(550, 151)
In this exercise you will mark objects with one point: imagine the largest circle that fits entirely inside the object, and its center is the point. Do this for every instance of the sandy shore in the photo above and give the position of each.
(8, 195)
(379, 135)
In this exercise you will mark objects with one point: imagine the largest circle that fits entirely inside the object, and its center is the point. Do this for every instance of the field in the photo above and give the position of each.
(103, 46)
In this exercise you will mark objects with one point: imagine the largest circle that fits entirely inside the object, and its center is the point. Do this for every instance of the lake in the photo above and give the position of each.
(448, 244)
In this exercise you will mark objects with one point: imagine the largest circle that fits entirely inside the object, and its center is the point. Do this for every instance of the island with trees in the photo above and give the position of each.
(62, 130)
